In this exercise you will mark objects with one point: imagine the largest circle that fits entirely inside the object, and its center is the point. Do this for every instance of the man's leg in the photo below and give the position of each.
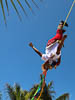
(36, 50)
(61, 44)
(46, 66)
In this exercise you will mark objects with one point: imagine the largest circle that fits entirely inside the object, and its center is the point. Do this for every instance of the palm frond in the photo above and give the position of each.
(14, 4)
(50, 85)
(29, 6)
(63, 97)
(22, 7)
(1, 2)
(10, 92)
(16, 9)
(16, 93)
(7, 6)
(35, 4)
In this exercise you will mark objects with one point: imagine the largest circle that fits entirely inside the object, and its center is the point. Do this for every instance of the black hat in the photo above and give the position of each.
(62, 23)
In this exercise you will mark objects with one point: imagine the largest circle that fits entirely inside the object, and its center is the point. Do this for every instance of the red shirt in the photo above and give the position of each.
(58, 36)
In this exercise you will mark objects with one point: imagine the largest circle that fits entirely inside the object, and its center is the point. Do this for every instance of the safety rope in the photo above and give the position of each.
(69, 12)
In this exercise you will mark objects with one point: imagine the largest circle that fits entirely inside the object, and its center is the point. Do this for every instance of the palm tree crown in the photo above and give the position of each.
(16, 93)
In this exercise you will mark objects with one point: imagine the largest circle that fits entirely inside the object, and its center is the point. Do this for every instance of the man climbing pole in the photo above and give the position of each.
(52, 56)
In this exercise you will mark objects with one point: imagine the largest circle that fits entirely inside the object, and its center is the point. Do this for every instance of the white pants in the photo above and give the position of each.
(51, 51)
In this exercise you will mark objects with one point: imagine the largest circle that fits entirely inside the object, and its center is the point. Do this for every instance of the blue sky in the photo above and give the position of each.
(20, 64)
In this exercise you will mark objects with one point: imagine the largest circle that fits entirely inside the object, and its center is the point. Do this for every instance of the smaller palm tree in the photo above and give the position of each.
(48, 92)
(15, 93)
(63, 97)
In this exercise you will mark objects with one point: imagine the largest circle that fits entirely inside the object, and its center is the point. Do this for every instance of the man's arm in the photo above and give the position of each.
(36, 50)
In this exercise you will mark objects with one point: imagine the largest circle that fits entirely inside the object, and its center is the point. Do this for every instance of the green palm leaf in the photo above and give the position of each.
(63, 97)
(16, 93)
(16, 9)
(35, 4)
(22, 7)
(1, 2)
(14, 4)
(7, 6)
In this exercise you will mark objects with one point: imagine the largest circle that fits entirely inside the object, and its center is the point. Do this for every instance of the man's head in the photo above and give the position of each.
(62, 24)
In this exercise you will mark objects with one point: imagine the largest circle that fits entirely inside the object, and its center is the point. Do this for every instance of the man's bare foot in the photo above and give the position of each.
(30, 44)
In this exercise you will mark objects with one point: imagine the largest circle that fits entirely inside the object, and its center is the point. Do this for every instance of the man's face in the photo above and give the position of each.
(60, 26)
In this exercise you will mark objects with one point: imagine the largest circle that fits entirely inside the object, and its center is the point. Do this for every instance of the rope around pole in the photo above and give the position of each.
(41, 90)
(40, 94)
(69, 12)
(44, 73)
(37, 90)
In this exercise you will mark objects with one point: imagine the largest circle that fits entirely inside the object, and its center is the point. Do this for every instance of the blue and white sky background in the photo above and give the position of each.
(19, 63)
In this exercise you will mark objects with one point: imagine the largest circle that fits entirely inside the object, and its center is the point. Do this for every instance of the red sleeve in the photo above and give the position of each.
(58, 36)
